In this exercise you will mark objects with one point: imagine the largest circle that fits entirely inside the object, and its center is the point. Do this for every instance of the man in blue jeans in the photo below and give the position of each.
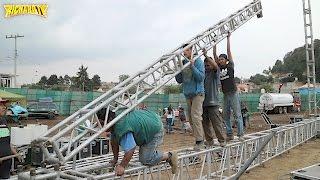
(229, 89)
(141, 128)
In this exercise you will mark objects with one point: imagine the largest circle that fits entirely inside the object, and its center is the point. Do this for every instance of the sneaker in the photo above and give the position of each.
(173, 161)
(241, 138)
(230, 138)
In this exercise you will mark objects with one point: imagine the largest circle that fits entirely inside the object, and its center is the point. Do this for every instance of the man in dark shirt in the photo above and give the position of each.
(6, 148)
(229, 89)
(211, 115)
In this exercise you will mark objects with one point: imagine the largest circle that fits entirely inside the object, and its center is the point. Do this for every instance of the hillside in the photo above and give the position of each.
(295, 62)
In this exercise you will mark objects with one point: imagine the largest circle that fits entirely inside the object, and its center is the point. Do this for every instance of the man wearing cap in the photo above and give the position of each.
(229, 89)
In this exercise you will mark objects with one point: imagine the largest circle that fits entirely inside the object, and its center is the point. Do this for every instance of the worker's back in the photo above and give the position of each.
(143, 124)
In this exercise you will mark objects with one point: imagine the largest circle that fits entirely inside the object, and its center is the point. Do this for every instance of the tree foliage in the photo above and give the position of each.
(123, 77)
(53, 79)
(268, 87)
(80, 82)
(82, 79)
(67, 80)
(96, 81)
(43, 81)
(295, 62)
(172, 89)
(237, 80)
(260, 79)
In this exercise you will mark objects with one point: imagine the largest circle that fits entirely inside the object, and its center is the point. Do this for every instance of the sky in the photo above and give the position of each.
(115, 37)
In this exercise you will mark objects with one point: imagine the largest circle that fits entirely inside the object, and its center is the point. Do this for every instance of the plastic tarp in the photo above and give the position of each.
(13, 97)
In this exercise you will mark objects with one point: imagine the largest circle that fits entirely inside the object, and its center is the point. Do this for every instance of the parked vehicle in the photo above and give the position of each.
(279, 103)
(44, 108)
(17, 112)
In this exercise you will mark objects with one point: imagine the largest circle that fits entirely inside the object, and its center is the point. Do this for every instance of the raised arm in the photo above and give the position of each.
(214, 50)
(228, 47)
(212, 62)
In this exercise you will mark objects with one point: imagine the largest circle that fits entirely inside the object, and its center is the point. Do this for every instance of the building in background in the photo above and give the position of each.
(6, 80)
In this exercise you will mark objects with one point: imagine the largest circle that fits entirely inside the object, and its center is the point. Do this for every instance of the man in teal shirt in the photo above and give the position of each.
(192, 79)
(141, 128)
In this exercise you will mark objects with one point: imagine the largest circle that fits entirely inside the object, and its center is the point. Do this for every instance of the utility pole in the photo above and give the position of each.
(310, 59)
(15, 56)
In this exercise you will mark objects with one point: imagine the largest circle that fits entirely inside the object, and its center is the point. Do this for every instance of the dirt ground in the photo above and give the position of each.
(302, 156)
(179, 141)
(277, 168)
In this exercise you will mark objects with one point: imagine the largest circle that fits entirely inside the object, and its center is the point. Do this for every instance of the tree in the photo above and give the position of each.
(268, 87)
(172, 89)
(61, 80)
(43, 81)
(67, 80)
(82, 79)
(237, 80)
(287, 79)
(259, 79)
(73, 83)
(267, 71)
(295, 62)
(123, 77)
(96, 81)
(53, 79)
(278, 67)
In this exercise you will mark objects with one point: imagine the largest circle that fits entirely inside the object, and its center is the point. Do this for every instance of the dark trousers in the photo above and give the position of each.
(5, 167)
(212, 120)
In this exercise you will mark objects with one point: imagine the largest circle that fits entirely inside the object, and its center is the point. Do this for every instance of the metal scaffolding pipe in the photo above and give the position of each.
(255, 155)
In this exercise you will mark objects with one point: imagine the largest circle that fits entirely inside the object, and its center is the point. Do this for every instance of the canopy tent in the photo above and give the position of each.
(11, 97)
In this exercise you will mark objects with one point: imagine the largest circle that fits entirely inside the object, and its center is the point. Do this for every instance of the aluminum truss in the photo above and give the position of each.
(128, 94)
(212, 163)
(310, 60)
(124, 98)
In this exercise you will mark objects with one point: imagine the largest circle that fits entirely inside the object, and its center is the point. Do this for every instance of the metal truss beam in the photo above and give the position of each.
(134, 90)
(211, 163)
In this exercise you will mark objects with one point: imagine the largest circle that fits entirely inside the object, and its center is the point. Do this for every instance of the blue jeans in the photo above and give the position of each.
(169, 124)
(148, 153)
(231, 101)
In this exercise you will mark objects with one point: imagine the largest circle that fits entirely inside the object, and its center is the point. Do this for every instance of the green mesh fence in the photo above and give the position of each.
(67, 101)
(71, 101)
(304, 102)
